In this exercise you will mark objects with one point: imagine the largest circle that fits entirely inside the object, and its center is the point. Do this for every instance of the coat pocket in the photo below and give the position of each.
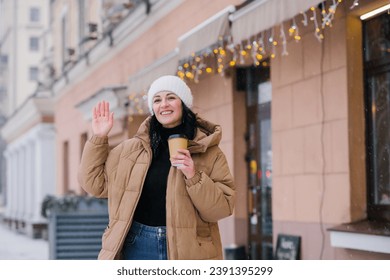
(203, 235)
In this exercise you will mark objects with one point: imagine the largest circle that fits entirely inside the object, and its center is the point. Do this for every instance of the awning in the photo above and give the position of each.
(263, 14)
(205, 34)
(140, 82)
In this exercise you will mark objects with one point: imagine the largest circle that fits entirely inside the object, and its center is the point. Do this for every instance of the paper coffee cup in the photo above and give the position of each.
(175, 142)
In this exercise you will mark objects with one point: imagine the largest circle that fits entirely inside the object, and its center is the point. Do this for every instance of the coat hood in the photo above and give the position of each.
(207, 135)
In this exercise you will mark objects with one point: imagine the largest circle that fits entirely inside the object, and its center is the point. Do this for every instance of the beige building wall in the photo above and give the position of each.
(215, 100)
(318, 139)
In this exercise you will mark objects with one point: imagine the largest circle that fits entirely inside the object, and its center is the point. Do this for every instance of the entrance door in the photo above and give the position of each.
(259, 160)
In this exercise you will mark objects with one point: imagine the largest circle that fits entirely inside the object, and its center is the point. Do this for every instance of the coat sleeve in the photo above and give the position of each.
(96, 163)
(213, 195)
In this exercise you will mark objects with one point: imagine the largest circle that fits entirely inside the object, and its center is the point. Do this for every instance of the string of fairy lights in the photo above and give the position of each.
(256, 50)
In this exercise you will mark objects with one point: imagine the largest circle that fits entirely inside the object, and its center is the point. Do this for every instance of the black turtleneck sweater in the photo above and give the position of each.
(151, 209)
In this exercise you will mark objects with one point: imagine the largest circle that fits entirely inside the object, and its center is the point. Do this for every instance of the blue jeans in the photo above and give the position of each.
(145, 243)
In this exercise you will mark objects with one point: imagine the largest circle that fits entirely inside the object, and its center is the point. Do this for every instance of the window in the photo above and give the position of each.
(82, 22)
(65, 170)
(256, 83)
(83, 140)
(33, 73)
(3, 59)
(377, 103)
(64, 32)
(3, 63)
(3, 92)
(35, 14)
(34, 44)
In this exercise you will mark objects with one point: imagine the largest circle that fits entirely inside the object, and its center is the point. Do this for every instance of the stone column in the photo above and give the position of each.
(22, 183)
(8, 157)
(29, 182)
(43, 173)
(14, 187)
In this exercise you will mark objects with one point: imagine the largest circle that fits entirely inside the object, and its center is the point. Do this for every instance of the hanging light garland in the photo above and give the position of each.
(217, 58)
(284, 41)
(137, 104)
(317, 29)
(224, 54)
(354, 4)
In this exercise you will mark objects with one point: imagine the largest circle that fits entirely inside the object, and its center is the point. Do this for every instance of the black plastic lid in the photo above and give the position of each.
(177, 136)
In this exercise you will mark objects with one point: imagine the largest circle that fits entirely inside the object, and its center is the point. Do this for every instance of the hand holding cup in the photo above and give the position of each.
(179, 155)
(176, 142)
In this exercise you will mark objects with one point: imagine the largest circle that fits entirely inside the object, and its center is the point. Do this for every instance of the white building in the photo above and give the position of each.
(28, 130)
(33, 55)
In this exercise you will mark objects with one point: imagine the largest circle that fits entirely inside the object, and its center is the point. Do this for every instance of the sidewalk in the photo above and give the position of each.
(16, 246)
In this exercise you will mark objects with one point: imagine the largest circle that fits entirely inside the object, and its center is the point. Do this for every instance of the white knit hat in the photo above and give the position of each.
(173, 84)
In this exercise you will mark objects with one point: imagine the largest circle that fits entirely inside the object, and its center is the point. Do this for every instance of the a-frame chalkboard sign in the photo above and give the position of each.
(288, 247)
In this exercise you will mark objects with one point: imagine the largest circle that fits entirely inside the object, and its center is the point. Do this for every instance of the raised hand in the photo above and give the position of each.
(102, 119)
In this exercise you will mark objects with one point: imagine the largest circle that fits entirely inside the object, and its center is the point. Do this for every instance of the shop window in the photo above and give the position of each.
(255, 81)
(377, 105)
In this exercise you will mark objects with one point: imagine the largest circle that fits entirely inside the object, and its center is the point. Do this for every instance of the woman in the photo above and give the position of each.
(157, 211)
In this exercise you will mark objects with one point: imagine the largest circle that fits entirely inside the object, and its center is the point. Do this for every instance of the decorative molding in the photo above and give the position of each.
(115, 95)
(30, 114)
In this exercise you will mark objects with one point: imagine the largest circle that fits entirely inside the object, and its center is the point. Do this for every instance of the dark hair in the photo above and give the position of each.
(188, 128)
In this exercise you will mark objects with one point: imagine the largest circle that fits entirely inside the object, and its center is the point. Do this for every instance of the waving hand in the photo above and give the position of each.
(102, 119)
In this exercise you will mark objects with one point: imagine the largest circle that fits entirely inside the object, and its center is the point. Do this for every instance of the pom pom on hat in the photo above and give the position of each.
(173, 84)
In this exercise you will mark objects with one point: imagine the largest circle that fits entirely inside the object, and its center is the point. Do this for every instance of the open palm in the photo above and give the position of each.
(102, 119)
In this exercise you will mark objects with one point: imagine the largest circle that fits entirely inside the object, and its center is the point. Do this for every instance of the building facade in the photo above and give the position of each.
(27, 129)
(300, 88)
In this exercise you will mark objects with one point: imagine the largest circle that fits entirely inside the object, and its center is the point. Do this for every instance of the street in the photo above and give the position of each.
(15, 246)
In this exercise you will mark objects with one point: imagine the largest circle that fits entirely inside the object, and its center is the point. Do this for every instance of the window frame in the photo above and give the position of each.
(372, 68)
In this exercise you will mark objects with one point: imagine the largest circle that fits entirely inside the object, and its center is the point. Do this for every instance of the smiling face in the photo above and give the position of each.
(168, 109)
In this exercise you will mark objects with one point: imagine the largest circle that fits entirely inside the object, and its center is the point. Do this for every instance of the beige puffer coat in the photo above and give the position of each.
(193, 206)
